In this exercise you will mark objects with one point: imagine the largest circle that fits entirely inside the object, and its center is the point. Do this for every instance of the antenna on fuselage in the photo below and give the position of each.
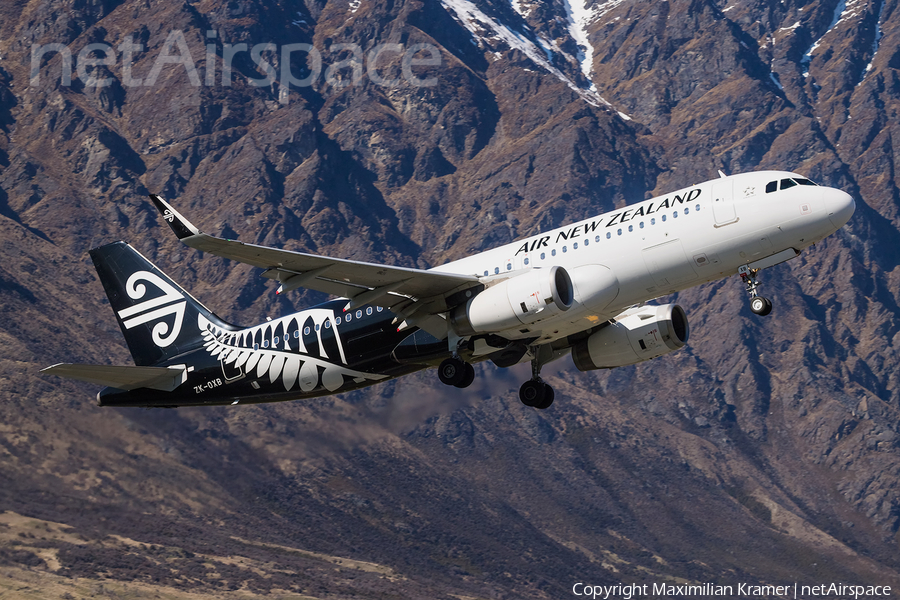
(722, 175)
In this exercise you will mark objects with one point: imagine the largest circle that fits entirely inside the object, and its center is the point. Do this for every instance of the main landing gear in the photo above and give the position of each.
(758, 304)
(535, 392)
(456, 372)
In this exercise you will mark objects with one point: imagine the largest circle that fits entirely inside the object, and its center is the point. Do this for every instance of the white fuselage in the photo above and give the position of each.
(666, 244)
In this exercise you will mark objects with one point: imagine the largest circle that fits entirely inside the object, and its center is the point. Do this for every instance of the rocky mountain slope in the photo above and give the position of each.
(768, 450)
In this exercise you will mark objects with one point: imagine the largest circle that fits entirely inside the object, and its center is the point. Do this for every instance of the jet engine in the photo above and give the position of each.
(520, 300)
(636, 335)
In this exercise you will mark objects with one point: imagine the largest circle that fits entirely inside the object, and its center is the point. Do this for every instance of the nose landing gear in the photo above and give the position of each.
(761, 306)
(758, 304)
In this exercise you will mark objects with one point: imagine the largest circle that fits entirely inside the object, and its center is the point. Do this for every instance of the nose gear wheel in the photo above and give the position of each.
(758, 304)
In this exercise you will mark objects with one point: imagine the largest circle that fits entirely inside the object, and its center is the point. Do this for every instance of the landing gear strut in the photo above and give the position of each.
(535, 392)
(758, 304)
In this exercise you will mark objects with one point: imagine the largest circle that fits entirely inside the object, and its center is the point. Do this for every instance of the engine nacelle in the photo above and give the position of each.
(636, 335)
(520, 300)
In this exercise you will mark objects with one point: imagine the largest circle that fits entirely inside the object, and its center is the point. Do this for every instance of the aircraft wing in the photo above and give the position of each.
(123, 377)
(401, 289)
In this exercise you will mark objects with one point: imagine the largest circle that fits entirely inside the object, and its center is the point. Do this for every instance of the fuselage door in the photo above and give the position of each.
(723, 202)
(230, 372)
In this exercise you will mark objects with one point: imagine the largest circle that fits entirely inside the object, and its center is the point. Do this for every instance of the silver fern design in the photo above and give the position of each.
(277, 350)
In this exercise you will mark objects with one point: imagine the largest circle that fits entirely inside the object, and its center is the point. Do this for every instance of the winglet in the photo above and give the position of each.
(181, 226)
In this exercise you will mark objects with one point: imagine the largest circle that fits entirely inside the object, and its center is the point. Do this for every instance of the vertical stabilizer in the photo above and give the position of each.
(158, 319)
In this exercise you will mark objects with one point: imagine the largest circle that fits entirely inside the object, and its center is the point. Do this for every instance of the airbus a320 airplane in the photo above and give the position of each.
(579, 289)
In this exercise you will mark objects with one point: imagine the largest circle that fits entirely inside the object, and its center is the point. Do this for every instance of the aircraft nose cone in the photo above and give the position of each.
(841, 206)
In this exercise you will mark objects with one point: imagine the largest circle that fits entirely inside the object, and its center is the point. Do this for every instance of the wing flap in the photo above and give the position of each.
(123, 377)
(336, 276)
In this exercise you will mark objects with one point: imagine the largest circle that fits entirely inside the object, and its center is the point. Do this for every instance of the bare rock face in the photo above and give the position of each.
(767, 450)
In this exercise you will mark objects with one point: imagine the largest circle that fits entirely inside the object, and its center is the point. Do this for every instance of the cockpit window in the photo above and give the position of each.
(772, 186)
(787, 183)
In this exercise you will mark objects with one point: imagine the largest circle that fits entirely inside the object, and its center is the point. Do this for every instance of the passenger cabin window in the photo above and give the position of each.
(787, 183)
(772, 186)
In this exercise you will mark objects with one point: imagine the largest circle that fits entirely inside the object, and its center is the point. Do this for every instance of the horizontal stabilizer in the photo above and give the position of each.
(123, 377)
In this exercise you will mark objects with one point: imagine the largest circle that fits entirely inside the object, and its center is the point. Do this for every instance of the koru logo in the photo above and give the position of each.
(168, 215)
(170, 303)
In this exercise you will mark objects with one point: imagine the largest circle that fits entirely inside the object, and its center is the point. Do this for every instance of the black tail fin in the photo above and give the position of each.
(158, 319)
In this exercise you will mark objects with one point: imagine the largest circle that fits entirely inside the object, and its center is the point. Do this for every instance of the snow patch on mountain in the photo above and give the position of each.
(843, 12)
(876, 43)
(579, 17)
(487, 32)
(846, 10)
(523, 7)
